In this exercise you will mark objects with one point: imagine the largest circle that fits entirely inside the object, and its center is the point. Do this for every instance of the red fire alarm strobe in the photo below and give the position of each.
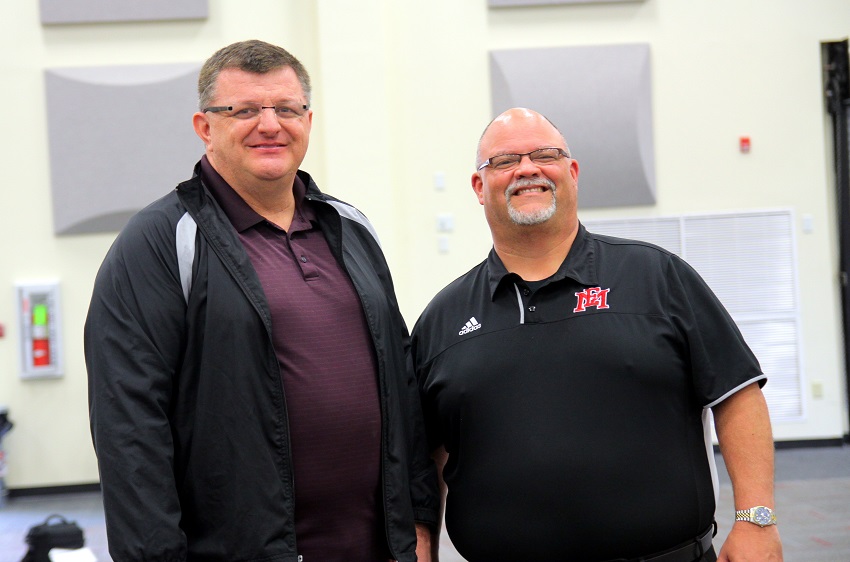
(744, 144)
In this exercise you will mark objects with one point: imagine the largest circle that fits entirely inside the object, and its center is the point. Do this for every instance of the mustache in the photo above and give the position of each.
(529, 182)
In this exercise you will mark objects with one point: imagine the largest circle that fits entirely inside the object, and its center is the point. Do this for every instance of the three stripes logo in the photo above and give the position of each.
(470, 326)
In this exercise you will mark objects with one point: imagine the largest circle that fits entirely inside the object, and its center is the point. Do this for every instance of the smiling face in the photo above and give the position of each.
(528, 194)
(259, 153)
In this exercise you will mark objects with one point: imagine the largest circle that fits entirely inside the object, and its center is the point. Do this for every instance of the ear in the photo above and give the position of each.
(478, 186)
(201, 123)
(574, 169)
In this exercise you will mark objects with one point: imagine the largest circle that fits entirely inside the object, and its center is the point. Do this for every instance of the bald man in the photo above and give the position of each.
(568, 383)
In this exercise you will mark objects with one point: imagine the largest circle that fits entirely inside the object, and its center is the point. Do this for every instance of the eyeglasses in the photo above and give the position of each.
(540, 156)
(248, 111)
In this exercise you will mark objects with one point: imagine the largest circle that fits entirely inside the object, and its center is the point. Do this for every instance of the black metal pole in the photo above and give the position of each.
(837, 90)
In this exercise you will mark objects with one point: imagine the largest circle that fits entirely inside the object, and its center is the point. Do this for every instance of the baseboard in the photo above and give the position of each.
(53, 490)
(806, 443)
(812, 443)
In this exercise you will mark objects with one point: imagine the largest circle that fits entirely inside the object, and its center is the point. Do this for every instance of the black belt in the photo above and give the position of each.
(688, 553)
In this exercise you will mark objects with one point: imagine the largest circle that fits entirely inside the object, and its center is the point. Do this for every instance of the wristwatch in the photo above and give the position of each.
(760, 515)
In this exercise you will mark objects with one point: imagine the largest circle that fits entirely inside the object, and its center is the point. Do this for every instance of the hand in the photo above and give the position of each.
(751, 543)
(424, 544)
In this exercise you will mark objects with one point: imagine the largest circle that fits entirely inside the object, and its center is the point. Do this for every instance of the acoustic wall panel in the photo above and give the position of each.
(119, 138)
(600, 97)
(93, 11)
(504, 3)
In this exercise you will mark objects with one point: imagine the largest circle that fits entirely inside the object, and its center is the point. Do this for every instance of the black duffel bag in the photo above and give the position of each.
(47, 535)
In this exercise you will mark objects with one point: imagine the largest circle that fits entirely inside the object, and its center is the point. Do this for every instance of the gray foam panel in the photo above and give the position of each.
(119, 138)
(600, 97)
(505, 3)
(93, 11)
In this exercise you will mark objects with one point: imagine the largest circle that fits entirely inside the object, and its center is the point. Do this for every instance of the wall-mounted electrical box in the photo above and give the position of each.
(39, 321)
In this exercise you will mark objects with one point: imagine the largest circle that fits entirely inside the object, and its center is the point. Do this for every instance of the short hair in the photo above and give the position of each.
(254, 56)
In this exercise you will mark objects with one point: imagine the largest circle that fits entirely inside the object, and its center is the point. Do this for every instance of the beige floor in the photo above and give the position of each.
(812, 496)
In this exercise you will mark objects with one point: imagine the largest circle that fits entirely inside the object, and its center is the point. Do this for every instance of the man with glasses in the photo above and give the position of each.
(567, 383)
(249, 392)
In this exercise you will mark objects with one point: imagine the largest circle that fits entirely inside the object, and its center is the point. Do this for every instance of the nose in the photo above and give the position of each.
(268, 121)
(526, 167)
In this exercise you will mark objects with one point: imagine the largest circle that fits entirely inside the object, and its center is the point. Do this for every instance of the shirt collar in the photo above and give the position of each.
(241, 215)
(579, 265)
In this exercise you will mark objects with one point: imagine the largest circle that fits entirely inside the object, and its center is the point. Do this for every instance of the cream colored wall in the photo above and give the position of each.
(401, 94)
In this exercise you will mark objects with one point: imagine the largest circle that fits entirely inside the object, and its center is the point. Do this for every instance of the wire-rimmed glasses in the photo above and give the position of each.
(540, 156)
(248, 111)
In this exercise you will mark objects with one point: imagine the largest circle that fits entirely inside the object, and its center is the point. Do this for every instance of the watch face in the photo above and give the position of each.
(762, 516)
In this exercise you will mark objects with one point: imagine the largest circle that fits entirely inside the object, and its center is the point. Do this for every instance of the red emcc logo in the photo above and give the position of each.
(595, 297)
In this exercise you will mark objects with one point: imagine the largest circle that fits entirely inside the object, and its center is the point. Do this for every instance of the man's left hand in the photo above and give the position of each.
(424, 543)
(751, 543)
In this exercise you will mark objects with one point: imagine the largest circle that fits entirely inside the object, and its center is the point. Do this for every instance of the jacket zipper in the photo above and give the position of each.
(290, 467)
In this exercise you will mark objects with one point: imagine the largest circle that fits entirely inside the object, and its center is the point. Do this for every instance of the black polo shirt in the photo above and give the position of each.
(575, 415)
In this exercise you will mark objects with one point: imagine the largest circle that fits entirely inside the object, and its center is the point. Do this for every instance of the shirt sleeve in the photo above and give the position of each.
(721, 361)
(133, 346)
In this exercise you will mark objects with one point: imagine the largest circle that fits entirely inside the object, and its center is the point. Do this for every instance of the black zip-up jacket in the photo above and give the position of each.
(188, 414)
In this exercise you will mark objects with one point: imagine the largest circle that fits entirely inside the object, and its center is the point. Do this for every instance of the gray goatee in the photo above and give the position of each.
(531, 218)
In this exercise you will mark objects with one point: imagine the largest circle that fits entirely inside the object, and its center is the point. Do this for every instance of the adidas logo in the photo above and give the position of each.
(470, 326)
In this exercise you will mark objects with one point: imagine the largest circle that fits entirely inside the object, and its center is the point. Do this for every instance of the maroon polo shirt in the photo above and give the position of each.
(329, 375)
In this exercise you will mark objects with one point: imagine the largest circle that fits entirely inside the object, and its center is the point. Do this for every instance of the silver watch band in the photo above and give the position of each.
(759, 515)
